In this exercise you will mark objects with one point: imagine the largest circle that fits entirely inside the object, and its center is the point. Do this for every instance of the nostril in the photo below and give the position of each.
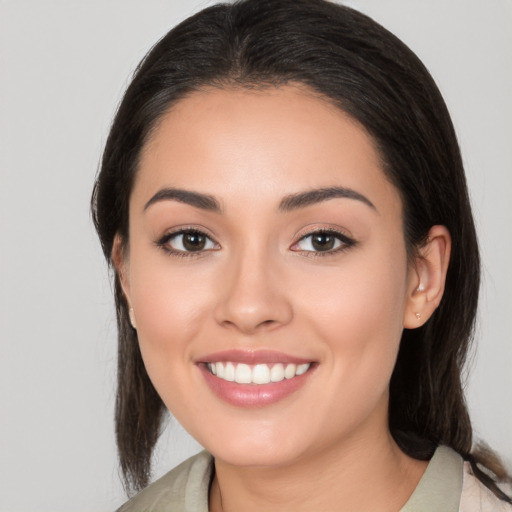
(251, 304)
(250, 326)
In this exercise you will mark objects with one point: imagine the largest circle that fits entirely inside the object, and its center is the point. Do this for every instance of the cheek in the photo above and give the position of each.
(169, 307)
(364, 291)
(358, 312)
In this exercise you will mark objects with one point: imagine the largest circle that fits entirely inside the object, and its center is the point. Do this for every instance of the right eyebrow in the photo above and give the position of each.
(196, 199)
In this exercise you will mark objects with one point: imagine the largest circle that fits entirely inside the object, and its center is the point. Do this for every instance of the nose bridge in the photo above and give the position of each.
(253, 297)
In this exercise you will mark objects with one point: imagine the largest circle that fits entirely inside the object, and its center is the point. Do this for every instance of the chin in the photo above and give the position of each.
(256, 449)
(243, 457)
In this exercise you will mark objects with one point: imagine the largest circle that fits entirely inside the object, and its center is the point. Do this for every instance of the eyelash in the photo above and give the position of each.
(163, 242)
(345, 243)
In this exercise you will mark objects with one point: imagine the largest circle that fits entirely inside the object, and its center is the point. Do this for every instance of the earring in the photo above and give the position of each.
(417, 315)
(420, 288)
(132, 318)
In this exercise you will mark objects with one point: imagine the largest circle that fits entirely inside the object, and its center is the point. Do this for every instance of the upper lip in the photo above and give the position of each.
(251, 357)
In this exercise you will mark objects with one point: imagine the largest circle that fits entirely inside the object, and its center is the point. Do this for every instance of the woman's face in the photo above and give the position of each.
(266, 245)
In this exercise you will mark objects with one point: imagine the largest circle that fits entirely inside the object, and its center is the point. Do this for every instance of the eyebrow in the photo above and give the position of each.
(288, 203)
(310, 197)
(196, 199)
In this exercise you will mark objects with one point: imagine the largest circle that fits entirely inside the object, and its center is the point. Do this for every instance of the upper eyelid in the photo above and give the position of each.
(345, 239)
(343, 236)
(328, 230)
(188, 229)
(162, 243)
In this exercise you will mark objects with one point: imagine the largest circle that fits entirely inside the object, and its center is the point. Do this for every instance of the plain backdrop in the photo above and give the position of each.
(63, 67)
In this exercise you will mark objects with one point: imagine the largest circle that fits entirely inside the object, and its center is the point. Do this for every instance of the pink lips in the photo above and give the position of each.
(251, 395)
(252, 357)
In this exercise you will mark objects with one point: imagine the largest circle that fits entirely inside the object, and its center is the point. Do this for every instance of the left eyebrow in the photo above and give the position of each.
(303, 199)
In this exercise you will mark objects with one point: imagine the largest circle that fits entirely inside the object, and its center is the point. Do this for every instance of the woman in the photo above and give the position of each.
(284, 204)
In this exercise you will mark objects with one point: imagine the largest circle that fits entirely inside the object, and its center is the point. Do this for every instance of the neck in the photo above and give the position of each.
(368, 473)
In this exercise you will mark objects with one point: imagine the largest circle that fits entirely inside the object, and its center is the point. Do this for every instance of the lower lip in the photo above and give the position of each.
(253, 395)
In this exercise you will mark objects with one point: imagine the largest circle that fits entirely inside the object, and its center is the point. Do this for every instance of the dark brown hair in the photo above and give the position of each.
(367, 72)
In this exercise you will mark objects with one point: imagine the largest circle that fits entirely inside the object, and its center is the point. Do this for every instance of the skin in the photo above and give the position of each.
(259, 285)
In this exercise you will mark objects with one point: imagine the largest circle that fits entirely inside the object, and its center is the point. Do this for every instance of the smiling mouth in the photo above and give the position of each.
(258, 374)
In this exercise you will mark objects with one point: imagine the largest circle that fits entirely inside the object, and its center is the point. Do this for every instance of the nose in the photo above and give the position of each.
(252, 296)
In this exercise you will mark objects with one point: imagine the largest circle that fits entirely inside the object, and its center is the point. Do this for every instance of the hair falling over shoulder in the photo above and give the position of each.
(364, 70)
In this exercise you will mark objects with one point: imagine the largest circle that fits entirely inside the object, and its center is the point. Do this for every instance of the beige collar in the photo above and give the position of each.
(440, 486)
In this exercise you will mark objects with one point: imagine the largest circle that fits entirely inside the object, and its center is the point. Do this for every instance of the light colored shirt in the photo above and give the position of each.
(446, 486)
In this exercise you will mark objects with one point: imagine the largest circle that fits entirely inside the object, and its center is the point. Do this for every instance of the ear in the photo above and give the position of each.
(427, 277)
(120, 262)
(121, 267)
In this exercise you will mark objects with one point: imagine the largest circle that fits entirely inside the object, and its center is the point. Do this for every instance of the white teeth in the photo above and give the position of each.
(277, 373)
(257, 374)
(229, 372)
(289, 371)
(302, 368)
(243, 374)
(261, 374)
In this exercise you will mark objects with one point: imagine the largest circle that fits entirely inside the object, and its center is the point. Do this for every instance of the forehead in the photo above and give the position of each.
(271, 141)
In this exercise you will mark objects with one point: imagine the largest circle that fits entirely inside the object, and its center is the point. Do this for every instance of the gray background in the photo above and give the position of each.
(63, 66)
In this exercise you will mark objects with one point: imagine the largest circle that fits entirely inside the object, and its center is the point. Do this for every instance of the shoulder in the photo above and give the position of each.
(449, 485)
(184, 488)
(476, 497)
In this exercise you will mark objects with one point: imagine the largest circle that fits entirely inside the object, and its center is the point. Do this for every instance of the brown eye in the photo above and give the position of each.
(323, 241)
(194, 241)
(188, 241)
